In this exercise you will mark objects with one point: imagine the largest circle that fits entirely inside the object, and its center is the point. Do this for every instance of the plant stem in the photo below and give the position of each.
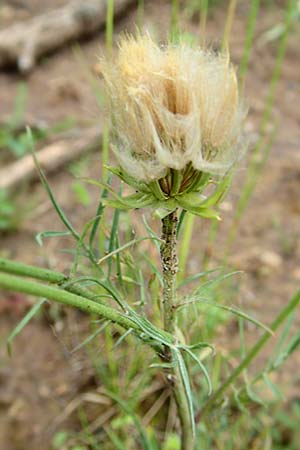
(26, 270)
(50, 276)
(18, 284)
(283, 314)
(170, 267)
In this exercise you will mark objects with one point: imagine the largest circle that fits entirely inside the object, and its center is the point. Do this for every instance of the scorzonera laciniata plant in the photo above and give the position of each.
(177, 120)
(177, 134)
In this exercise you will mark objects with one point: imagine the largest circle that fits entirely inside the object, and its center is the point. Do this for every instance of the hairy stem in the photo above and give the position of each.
(50, 276)
(26, 270)
(18, 284)
(170, 267)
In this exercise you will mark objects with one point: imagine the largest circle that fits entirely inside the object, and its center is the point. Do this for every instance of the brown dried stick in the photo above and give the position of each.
(50, 157)
(23, 43)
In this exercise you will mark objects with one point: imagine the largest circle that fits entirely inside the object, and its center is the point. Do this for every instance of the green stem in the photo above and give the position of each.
(170, 267)
(50, 276)
(284, 313)
(175, 19)
(26, 270)
(17, 284)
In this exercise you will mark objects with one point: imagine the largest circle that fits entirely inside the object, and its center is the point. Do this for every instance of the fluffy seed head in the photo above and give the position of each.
(171, 107)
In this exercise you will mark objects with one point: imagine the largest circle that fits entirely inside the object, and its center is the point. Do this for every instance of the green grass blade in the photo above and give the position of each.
(126, 408)
(125, 247)
(187, 386)
(196, 277)
(185, 245)
(99, 214)
(45, 183)
(231, 310)
(109, 25)
(250, 28)
(202, 368)
(91, 337)
(46, 234)
(26, 319)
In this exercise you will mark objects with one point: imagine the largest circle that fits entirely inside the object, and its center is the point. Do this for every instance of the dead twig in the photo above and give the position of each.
(23, 43)
(51, 158)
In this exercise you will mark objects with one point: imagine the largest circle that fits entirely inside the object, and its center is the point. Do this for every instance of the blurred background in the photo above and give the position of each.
(50, 79)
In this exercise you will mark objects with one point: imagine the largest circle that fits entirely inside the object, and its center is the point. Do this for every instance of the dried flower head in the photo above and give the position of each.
(172, 106)
(176, 116)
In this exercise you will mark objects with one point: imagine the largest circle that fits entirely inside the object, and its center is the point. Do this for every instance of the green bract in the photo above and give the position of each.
(175, 190)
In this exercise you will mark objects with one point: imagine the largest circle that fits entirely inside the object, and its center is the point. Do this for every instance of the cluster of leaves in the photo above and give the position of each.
(151, 195)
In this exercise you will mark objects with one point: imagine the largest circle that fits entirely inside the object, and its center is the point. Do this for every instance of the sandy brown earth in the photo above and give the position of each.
(43, 376)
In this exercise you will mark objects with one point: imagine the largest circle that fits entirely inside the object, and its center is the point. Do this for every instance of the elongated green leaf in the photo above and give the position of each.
(202, 368)
(131, 181)
(276, 391)
(123, 337)
(187, 386)
(104, 284)
(91, 337)
(210, 283)
(116, 441)
(146, 445)
(151, 233)
(142, 288)
(113, 236)
(162, 365)
(99, 214)
(137, 200)
(46, 234)
(219, 193)
(153, 268)
(196, 277)
(180, 221)
(236, 312)
(125, 247)
(199, 345)
(200, 211)
(46, 185)
(284, 354)
(254, 396)
(31, 313)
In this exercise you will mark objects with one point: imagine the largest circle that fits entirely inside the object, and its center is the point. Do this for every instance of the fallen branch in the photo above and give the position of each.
(23, 43)
(50, 157)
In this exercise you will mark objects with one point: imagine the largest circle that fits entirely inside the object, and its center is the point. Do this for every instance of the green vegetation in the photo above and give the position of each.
(116, 278)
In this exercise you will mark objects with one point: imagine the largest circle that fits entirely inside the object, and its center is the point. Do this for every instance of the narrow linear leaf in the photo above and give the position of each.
(196, 277)
(125, 247)
(26, 319)
(187, 387)
(202, 368)
(274, 389)
(99, 214)
(151, 233)
(123, 337)
(124, 405)
(49, 234)
(217, 280)
(234, 311)
(46, 185)
(91, 337)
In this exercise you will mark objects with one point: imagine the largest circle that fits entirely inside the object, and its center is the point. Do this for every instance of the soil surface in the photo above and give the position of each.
(42, 377)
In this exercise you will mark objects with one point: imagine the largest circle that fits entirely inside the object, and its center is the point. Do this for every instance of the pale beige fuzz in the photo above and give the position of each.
(171, 106)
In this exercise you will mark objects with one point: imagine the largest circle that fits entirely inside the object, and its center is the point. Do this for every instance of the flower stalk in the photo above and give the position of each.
(169, 260)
